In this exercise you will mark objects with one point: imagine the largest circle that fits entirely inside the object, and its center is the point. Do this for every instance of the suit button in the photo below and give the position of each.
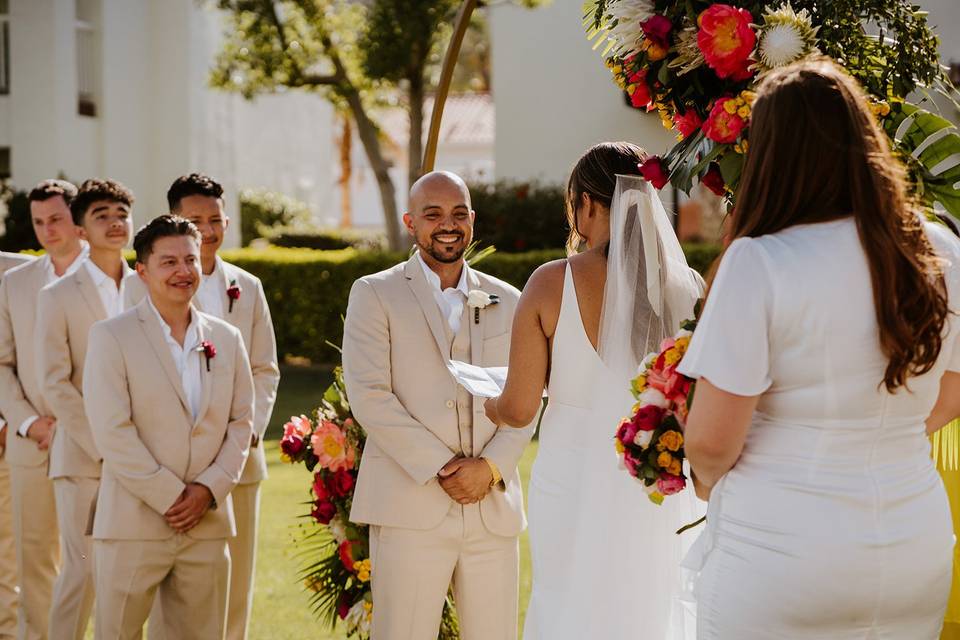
(449, 404)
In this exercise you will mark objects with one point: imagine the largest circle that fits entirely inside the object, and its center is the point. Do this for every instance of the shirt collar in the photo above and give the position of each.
(217, 273)
(99, 277)
(189, 338)
(77, 262)
(434, 279)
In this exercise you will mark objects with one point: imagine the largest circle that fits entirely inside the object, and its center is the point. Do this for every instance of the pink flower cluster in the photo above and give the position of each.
(650, 440)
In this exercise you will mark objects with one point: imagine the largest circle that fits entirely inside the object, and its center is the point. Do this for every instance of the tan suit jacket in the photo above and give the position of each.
(251, 315)
(66, 310)
(395, 348)
(20, 393)
(9, 261)
(143, 427)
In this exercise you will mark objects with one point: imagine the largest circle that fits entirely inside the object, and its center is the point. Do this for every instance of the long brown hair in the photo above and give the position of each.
(816, 154)
(596, 175)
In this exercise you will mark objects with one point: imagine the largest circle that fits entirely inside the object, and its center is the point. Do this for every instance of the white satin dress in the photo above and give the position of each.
(834, 522)
(597, 543)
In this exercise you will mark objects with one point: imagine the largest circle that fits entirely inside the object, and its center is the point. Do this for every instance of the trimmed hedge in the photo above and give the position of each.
(308, 290)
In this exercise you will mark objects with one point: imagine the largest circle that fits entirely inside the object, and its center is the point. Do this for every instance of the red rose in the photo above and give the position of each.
(340, 483)
(209, 350)
(647, 418)
(688, 123)
(346, 554)
(658, 28)
(233, 292)
(319, 488)
(640, 96)
(344, 605)
(324, 511)
(292, 445)
(654, 172)
(713, 179)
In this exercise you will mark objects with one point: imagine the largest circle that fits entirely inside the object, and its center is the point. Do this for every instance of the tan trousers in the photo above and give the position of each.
(73, 591)
(243, 557)
(38, 551)
(412, 571)
(188, 576)
(8, 558)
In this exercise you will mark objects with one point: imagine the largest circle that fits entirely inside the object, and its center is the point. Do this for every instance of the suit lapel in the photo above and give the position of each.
(89, 293)
(206, 377)
(476, 340)
(158, 342)
(428, 304)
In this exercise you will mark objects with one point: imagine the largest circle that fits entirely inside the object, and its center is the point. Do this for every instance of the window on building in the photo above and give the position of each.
(88, 59)
(4, 47)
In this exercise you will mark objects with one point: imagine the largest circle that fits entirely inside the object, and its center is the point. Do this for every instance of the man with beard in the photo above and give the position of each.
(438, 482)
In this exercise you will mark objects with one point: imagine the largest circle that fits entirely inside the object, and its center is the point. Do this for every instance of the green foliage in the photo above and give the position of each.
(930, 147)
(400, 35)
(326, 239)
(262, 210)
(308, 290)
(18, 228)
(519, 216)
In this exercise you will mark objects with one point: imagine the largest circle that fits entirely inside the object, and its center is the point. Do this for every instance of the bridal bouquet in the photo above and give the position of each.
(697, 62)
(337, 551)
(650, 440)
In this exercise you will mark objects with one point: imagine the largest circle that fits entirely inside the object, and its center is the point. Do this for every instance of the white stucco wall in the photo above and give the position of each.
(554, 96)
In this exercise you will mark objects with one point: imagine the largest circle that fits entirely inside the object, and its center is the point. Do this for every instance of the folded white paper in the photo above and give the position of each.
(484, 382)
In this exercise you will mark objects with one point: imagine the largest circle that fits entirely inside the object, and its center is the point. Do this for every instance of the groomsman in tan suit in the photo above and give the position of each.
(23, 407)
(66, 310)
(438, 482)
(236, 296)
(169, 394)
(8, 548)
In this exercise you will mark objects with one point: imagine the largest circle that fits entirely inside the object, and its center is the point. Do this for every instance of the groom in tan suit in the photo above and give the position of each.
(24, 408)
(438, 482)
(169, 395)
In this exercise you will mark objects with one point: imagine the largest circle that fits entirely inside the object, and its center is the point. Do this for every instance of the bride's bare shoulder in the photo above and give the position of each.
(546, 281)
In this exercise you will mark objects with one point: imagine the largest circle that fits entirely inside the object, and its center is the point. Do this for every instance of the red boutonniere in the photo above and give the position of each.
(209, 351)
(233, 292)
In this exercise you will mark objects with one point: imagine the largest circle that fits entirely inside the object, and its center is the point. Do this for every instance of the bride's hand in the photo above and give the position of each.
(490, 408)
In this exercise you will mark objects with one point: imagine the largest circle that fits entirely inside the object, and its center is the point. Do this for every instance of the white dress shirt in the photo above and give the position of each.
(49, 277)
(110, 294)
(187, 358)
(212, 293)
(450, 300)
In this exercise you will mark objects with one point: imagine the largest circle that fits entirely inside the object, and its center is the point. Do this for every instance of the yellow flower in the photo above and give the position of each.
(619, 446)
(748, 96)
(671, 440)
(730, 106)
(285, 458)
(363, 570)
(744, 112)
(672, 356)
(682, 344)
(664, 460)
(639, 384)
(675, 467)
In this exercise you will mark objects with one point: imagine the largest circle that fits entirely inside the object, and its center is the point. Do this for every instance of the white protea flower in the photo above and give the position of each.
(785, 37)
(338, 529)
(629, 14)
(358, 619)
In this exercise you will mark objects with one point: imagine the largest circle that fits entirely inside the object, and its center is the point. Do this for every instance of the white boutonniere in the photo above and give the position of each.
(478, 299)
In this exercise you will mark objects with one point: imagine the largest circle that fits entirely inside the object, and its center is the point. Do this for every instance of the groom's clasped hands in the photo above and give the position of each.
(466, 480)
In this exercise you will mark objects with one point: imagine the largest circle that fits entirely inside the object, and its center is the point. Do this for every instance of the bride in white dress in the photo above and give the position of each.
(828, 334)
(605, 559)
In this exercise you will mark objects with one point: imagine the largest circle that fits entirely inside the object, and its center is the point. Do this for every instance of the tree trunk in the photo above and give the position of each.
(415, 144)
(368, 133)
(346, 172)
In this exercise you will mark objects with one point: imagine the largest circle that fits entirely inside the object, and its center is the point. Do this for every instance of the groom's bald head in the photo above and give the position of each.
(439, 215)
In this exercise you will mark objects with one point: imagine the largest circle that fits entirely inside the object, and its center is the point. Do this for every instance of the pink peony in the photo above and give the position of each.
(688, 123)
(726, 40)
(324, 511)
(713, 179)
(654, 172)
(331, 447)
(647, 418)
(669, 484)
(631, 463)
(676, 385)
(627, 431)
(298, 425)
(722, 126)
